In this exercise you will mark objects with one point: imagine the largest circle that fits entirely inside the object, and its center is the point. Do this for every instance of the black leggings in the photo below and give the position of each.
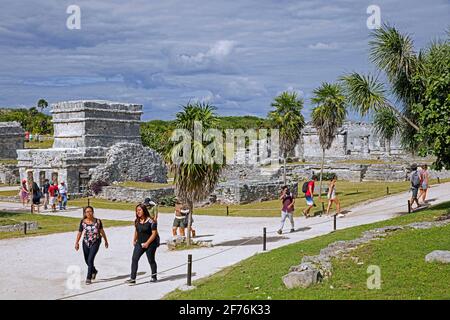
(89, 257)
(138, 252)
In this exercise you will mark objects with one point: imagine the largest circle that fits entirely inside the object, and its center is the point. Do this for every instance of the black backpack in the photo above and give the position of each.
(305, 187)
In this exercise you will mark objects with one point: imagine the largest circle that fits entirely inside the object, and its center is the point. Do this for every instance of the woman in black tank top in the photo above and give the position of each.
(146, 240)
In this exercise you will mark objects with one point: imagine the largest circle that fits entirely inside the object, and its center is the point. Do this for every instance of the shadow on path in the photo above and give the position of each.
(257, 240)
(126, 276)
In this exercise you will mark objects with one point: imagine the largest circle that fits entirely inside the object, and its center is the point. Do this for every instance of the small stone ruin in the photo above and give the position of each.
(12, 137)
(99, 139)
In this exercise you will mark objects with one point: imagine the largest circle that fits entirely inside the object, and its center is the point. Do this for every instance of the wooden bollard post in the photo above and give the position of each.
(323, 209)
(409, 206)
(387, 190)
(264, 239)
(189, 270)
(24, 228)
(334, 223)
(439, 180)
(228, 211)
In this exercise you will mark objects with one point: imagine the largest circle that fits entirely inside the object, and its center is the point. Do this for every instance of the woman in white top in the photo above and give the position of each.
(332, 197)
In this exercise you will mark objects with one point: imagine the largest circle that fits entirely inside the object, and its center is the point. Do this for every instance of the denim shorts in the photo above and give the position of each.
(309, 200)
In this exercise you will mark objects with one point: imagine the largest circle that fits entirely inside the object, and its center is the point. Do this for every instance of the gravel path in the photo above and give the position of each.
(39, 267)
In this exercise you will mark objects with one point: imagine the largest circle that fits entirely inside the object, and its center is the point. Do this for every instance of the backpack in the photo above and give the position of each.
(415, 179)
(305, 187)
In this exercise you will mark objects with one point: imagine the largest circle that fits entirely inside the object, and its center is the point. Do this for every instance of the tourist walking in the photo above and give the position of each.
(332, 197)
(179, 220)
(53, 192)
(93, 233)
(145, 240)
(24, 193)
(36, 197)
(45, 188)
(152, 208)
(63, 196)
(287, 210)
(424, 179)
(308, 189)
(415, 185)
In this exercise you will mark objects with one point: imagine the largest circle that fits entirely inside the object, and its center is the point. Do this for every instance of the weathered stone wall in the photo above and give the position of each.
(12, 137)
(95, 123)
(116, 193)
(130, 162)
(9, 174)
(241, 193)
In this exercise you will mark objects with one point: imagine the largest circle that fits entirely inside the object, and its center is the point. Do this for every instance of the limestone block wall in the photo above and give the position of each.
(9, 174)
(246, 192)
(117, 193)
(95, 123)
(12, 137)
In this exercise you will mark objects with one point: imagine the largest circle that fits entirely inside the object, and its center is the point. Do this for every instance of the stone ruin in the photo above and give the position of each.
(354, 141)
(93, 140)
(12, 137)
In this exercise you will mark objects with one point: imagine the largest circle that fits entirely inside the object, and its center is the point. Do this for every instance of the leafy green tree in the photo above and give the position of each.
(42, 104)
(327, 116)
(288, 118)
(194, 181)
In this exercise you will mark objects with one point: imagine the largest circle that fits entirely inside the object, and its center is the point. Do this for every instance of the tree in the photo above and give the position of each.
(432, 109)
(419, 83)
(386, 125)
(42, 104)
(194, 180)
(327, 116)
(287, 117)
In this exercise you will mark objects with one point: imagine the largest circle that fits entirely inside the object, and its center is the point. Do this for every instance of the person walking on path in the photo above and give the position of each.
(53, 193)
(146, 240)
(45, 188)
(179, 220)
(309, 195)
(424, 180)
(287, 210)
(415, 185)
(24, 193)
(93, 233)
(63, 194)
(36, 197)
(152, 208)
(332, 197)
(185, 212)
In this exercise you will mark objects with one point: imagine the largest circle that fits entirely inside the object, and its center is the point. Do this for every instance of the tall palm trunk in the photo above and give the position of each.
(191, 209)
(284, 169)
(389, 146)
(321, 172)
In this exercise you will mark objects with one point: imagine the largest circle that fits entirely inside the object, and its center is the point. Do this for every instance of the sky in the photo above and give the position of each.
(236, 55)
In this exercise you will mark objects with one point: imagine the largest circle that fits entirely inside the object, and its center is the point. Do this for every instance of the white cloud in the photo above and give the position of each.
(323, 46)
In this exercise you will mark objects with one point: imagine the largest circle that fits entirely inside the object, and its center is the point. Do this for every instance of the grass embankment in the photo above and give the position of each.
(400, 256)
(47, 224)
(8, 162)
(44, 144)
(10, 193)
(349, 193)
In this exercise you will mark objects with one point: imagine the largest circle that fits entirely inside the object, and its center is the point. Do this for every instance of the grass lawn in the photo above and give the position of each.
(10, 193)
(145, 185)
(401, 258)
(45, 144)
(47, 224)
(8, 161)
(349, 193)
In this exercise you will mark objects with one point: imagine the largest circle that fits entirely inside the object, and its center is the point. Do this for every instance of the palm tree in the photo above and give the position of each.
(288, 118)
(42, 104)
(386, 125)
(194, 180)
(327, 116)
(393, 54)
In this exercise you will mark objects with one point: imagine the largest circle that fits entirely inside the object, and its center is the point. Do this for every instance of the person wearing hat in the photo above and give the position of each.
(152, 209)
(63, 194)
(24, 193)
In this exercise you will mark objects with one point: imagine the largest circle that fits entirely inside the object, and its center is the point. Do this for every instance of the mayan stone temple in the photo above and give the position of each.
(99, 138)
(12, 137)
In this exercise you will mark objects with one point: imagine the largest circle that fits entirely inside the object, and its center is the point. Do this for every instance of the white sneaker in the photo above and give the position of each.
(340, 215)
